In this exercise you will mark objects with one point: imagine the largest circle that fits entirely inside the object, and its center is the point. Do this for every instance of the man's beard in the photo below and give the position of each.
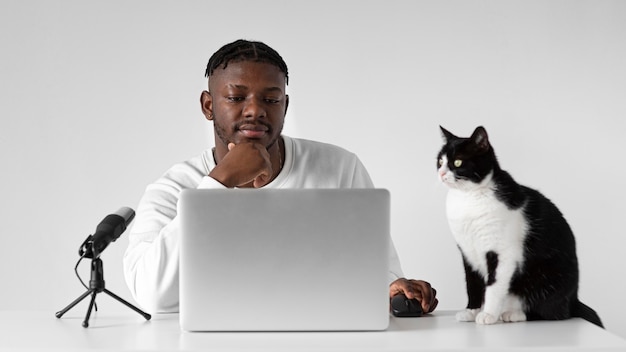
(223, 135)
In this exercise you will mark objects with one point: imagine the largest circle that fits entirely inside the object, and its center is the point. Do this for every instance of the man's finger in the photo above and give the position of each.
(261, 180)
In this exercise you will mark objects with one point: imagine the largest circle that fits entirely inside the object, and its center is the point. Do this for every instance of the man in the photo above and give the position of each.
(247, 103)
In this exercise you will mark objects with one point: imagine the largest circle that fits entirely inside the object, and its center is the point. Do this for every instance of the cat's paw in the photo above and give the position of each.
(467, 315)
(485, 318)
(513, 316)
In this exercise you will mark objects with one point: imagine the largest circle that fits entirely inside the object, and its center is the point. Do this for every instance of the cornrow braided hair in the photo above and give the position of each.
(244, 50)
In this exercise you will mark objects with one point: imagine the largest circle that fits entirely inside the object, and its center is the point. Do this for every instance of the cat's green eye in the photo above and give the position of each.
(440, 162)
(458, 163)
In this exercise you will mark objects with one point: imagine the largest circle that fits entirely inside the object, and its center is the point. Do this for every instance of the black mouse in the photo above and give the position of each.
(404, 307)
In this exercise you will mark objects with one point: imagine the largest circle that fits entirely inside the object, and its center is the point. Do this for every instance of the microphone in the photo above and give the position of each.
(107, 231)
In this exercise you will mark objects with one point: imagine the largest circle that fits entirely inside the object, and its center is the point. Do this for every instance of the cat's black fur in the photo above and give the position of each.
(547, 281)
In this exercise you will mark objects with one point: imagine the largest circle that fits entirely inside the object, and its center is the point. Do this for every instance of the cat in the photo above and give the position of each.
(518, 251)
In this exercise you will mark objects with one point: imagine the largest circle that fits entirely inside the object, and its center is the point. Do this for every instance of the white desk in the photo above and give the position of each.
(35, 330)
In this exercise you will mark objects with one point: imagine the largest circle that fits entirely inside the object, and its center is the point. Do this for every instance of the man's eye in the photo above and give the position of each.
(234, 99)
(272, 101)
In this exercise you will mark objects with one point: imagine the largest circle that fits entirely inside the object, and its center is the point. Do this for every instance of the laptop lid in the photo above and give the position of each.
(284, 259)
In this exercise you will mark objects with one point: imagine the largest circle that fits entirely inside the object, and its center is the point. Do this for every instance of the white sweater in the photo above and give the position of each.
(151, 259)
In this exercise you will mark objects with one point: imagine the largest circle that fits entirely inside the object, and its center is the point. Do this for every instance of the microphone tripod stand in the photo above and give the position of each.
(96, 285)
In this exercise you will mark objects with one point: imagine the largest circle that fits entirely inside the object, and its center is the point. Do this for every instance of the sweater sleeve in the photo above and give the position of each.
(361, 179)
(151, 259)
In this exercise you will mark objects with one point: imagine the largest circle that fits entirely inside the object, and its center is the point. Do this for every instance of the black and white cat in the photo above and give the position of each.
(518, 251)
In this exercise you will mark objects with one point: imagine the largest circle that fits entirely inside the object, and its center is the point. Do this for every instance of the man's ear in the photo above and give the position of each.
(286, 103)
(206, 102)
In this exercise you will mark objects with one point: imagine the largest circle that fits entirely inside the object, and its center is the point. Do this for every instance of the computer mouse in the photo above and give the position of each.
(401, 306)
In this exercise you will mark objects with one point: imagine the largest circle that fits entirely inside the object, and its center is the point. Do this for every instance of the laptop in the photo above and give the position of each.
(284, 259)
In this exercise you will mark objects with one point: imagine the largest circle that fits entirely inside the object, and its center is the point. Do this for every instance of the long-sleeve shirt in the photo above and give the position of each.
(151, 259)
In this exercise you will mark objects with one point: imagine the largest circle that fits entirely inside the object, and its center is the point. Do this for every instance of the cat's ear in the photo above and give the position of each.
(480, 139)
(447, 135)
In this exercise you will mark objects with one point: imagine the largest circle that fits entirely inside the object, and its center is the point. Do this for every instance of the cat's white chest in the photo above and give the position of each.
(481, 223)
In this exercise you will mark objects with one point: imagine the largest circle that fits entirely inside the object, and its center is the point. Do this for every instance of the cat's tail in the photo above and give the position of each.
(581, 310)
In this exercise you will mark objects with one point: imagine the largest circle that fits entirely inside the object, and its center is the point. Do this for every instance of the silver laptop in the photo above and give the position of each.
(284, 259)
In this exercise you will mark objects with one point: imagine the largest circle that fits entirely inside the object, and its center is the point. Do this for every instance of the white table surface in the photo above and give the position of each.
(41, 330)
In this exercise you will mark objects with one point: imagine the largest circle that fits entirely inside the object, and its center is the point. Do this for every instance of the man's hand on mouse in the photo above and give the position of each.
(244, 163)
(416, 289)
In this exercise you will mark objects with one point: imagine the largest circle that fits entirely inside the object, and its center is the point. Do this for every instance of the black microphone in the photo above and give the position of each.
(107, 231)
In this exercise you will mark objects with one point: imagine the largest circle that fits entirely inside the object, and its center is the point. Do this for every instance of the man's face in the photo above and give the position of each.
(247, 103)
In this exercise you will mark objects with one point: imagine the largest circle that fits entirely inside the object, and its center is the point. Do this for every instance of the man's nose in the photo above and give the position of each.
(253, 109)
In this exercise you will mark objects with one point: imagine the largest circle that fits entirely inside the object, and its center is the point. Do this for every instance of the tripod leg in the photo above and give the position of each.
(71, 305)
(93, 300)
(143, 314)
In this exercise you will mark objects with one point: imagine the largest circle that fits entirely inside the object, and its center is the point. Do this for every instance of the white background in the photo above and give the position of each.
(97, 99)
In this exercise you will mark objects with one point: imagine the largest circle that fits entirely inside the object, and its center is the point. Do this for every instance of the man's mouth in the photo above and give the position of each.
(253, 131)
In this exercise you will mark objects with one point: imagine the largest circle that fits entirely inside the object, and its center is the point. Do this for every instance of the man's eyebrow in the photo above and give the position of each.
(274, 89)
(244, 87)
(237, 86)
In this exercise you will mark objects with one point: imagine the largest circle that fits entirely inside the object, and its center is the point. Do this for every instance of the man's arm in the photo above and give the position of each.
(416, 289)
(243, 164)
(361, 179)
(151, 259)
(412, 289)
